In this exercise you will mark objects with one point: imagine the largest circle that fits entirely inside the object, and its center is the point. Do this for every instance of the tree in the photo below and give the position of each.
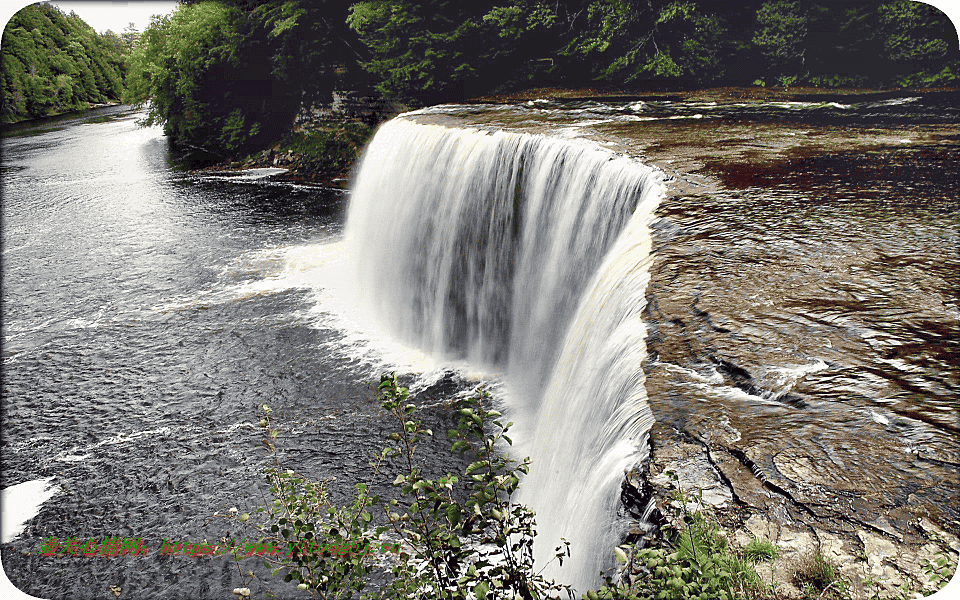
(130, 36)
(648, 41)
(781, 35)
(229, 77)
(195, 74)
(422, 52)
(919, 41)
(437, 50)
(54, 63)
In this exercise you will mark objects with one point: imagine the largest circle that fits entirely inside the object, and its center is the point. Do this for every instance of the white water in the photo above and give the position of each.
(21, 503)
(528, 255)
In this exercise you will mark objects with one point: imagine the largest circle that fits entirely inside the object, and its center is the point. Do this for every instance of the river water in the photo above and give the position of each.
(802, 286)
(147, 314)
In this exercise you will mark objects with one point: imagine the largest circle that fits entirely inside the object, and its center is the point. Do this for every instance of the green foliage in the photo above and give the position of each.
(780, 35)
(328, 150)
(482, 545)
(701, 566)
(694, 562)
(917, 41)
(939, 571)
(697, 42)
(459, 536)
(419, 51)
(433, 51)
(691, 43)
(173, 66)
(306, 43)
(760, 550)
(54, 63)
(204, 76)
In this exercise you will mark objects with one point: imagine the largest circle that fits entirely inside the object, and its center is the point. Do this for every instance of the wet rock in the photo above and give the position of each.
(688, 467)
(936, 532)
(744, 484)
(758, 491)
(762, 529)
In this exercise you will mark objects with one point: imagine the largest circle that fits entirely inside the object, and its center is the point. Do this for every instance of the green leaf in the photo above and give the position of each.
(475, 466)
(480, 590)
(453, 514)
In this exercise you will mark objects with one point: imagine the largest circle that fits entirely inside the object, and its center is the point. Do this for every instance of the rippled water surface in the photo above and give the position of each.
(147, 313)
(803, 295)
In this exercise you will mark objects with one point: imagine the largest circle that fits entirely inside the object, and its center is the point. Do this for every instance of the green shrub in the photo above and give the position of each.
(330, 149)
(693, 561)
(460, 536)
(760, 550)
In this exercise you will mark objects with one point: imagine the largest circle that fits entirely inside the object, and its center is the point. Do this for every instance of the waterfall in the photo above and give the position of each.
(527, 255)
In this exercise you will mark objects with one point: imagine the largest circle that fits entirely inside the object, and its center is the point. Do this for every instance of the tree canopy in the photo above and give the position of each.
(230, 75)
(54, 63)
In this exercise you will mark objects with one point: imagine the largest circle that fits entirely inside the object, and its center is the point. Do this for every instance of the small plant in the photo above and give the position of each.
(817, 577)
(694, 561)
(760, 550)
(317, 545)
(328, 148)
(785, 81)
(939, 571)
(482, 546)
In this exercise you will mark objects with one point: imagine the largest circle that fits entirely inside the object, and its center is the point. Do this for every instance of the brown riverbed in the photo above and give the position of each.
(802, 308)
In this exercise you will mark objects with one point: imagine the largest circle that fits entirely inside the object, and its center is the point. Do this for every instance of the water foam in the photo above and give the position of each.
(527, 255)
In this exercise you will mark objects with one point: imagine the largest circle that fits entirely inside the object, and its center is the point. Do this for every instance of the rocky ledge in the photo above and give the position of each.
(878, 543)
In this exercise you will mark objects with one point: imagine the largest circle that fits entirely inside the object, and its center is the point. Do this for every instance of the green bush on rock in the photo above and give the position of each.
(329, 149)
(694, 561)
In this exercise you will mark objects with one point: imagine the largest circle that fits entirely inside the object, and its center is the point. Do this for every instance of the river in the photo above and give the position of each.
(800, 290)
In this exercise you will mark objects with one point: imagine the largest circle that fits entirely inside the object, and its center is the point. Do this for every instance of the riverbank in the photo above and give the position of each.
(322, 151)
(718, 94)
(16, 126)
(860, 551)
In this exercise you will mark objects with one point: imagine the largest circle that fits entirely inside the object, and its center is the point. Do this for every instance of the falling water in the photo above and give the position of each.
(527, 255)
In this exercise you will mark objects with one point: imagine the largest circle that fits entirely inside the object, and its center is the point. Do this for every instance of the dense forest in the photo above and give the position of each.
(54, 63)
(230, 75)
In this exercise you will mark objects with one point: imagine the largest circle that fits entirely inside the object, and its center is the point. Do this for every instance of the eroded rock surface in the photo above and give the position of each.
(879, 548)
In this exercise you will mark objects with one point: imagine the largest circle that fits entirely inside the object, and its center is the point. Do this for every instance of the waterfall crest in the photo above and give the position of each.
(528, 255)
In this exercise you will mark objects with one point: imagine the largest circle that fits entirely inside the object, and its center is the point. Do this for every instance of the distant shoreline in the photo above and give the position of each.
(12, 126)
